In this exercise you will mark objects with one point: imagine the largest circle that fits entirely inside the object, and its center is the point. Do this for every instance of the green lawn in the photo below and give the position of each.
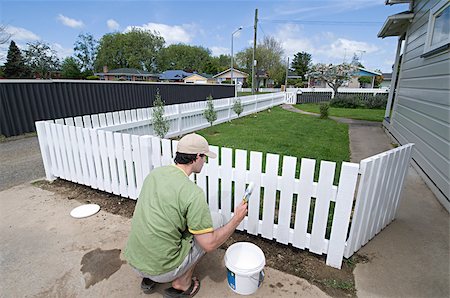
(360, 114)
(284, 133)
(249, 93)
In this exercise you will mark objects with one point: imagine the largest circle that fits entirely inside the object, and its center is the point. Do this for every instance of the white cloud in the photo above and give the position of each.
(346, 48)
(61, 52)
(171, 34)
(217, 51)
(21, 34)
(70, 22)
(112, 24)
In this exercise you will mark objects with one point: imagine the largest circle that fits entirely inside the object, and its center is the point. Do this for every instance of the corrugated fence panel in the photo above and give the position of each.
(23, 102)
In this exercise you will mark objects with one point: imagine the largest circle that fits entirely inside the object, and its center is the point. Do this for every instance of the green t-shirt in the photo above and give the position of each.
(169, 210)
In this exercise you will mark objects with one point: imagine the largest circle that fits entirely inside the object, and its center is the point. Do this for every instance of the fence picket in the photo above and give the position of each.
(270, 195)
(68, 148)
(128, 117)
(78, 121)
(342, 210)
(59, 172)
(407, 150)
(103, 120)
(305, 191)
(104, 158)
(128, 156)
(82, 152)
(384, 195)
(43, 146)
(156, 152)
(121, 166)
(239, 177)
(97, 159)
(69, 121)
(226, 179)
(213, 180)
(115, 118)
(146, 155)
(48, 126)
(166, 152)
(255, 199)
(122, 118)
(76, 155)
(322, 206)
(89, 157)
(137, 163)
(87, 121)
(112, 162)
(286, 196)
(391, 186)
(95, 121)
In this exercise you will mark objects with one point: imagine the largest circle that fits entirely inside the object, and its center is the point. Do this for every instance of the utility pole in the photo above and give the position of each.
(287, 72)
(254, 53)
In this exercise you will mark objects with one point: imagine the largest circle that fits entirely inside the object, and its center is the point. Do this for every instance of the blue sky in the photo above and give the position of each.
(330, 31)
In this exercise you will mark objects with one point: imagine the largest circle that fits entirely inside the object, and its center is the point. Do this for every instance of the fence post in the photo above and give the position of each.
(42, 137)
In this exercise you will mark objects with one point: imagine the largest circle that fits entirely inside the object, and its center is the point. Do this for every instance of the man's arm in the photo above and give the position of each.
(211, 241)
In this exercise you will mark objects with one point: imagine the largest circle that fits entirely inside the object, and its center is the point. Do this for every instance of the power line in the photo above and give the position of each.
(318, 23)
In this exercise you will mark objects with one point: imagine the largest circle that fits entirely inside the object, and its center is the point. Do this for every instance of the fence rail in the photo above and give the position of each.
(75, 149)
(317, 95)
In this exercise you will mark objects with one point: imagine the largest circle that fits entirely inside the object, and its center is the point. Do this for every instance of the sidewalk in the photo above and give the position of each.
(46, 253)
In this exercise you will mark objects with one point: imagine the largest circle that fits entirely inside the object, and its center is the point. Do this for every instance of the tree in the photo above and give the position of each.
(185, 57)
(269, 59)
(70, 69)
(333, 75)
(41, 59)
(159, 123)
(237, 107)
(85, 51)
(209, 113)
(301, 64)
(15, 67)
(134, 49)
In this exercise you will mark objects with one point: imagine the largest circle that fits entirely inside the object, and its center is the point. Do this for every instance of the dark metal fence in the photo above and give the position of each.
(313, 97)
(22, 102)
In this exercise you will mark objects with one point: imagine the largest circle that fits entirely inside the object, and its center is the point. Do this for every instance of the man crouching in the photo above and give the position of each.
(172, 226)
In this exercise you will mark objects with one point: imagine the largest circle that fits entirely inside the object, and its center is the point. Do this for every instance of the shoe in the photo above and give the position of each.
(174, 293)
(147, 285)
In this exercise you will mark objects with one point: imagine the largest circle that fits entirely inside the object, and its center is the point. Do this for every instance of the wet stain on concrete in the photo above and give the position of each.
(98, 265)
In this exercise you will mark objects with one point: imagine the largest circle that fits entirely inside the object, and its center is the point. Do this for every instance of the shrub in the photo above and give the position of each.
(209, 113)
(237, 107)
(245, 84)
(378, 101)
(160, 124)
(92, 78)
(324, 110)
(343, 101)
(226, 82)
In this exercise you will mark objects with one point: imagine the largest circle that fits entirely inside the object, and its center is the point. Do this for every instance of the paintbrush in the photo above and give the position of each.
(248, 192)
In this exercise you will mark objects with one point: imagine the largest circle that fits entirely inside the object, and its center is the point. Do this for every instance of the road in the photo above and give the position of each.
(20, 161)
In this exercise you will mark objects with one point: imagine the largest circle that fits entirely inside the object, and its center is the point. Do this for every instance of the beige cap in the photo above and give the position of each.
(194, 144)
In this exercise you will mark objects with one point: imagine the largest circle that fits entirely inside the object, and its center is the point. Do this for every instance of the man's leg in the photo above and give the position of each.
(184, 281)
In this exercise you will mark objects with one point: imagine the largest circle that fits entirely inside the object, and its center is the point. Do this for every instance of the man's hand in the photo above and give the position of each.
(241, 211)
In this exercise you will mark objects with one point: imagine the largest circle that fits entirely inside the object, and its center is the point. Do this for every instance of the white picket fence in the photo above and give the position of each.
(188, 117)
(379, 190)
(76, 149)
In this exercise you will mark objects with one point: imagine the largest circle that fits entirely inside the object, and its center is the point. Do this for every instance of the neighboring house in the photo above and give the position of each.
(174, 76)
(126, 74)
(199, 79)
(418, 108)
(353, 83)
(386, 83)
(239, 77)
(263, 79)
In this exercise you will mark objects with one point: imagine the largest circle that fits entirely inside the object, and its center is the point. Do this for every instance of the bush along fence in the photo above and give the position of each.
(285, 207)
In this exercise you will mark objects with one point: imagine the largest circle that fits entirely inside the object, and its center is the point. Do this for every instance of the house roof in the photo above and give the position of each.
(229, 70)
(128, 71)
(362, 72)
(387, 76)
(396, 25)
(174, 75)
(195, 74)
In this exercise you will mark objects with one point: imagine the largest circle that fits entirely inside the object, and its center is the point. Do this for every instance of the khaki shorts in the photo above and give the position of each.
(193, 256)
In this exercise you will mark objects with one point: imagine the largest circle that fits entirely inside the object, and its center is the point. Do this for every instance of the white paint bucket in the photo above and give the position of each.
(245, 263)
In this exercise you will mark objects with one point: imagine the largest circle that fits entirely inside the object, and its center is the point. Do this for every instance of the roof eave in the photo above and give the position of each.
(396, 25)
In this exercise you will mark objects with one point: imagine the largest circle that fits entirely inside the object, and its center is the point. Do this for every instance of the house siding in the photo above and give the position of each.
(421, 109)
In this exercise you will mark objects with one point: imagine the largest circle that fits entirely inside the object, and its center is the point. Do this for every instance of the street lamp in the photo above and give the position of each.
(231, 69)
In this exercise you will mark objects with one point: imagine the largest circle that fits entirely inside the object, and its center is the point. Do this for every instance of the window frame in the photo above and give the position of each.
(442, 45)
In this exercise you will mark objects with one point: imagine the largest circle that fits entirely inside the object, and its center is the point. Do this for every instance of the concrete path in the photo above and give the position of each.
(46, 253)
(20, 161)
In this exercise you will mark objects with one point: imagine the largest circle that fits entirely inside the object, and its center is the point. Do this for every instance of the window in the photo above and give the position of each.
(438, 33)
